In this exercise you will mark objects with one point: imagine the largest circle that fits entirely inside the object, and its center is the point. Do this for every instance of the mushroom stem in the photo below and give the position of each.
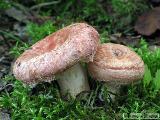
(113, 90)
(73, 81)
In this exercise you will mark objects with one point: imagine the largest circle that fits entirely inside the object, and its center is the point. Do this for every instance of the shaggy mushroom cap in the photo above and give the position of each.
(116, 64)
(56, 52)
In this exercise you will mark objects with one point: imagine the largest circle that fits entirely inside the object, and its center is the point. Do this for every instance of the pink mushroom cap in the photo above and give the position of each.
(116, 64)
(57, 52)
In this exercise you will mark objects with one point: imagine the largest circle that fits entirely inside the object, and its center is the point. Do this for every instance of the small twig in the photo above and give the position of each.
(44, 4)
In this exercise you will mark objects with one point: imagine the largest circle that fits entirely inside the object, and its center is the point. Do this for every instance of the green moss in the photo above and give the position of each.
(151, 58)
(37, 32)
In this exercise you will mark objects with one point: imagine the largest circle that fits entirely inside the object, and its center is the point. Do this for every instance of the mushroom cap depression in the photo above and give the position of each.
(116, 64)
(57, 52)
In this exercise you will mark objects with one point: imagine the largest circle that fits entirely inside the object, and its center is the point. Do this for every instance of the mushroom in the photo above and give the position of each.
(116, 65)
(59, 55)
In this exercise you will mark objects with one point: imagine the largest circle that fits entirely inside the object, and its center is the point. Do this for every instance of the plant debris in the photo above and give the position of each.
(4, 116)
(149, 22)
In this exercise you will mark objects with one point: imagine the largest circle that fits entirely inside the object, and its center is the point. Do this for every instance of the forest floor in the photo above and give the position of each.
(128, 22)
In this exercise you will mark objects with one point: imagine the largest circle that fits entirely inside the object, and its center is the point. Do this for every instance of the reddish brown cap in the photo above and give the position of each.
(57, 52)
(117, 64)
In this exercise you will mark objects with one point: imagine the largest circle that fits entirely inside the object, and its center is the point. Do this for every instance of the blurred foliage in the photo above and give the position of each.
(126, 12)
(129, 7)
(4, 4)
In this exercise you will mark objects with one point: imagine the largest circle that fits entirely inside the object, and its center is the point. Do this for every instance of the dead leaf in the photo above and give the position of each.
(149, 22)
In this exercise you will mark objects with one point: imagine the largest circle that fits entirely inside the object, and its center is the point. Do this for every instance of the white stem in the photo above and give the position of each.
(113, 88)
(73, 81)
